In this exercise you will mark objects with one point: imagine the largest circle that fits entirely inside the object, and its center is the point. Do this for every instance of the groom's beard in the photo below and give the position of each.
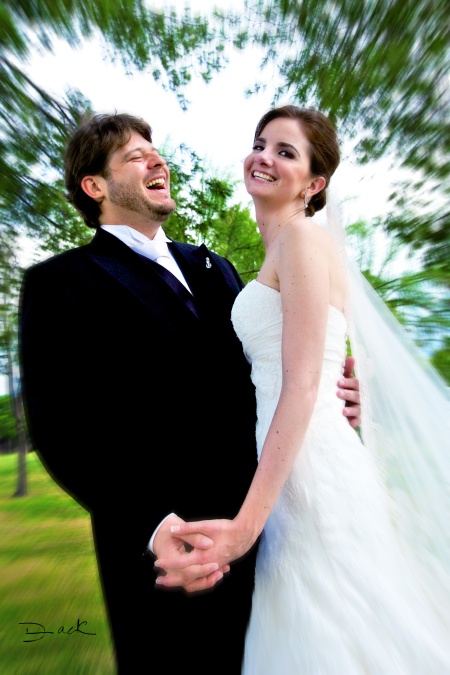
(131, 198)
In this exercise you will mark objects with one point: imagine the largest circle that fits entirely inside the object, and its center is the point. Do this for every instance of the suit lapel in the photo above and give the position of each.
(174, 284)
(204, 271)
(142, 277)
(202, 268)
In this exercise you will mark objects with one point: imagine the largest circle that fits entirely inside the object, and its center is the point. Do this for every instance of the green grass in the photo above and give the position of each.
(48, 575)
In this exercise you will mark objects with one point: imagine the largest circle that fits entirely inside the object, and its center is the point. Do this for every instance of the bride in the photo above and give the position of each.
(352, 573)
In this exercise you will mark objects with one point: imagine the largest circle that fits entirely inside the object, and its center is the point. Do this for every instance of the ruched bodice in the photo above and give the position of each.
(333, 592)
(258, 322)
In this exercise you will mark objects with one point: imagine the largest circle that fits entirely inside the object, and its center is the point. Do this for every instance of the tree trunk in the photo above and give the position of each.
(22, 448)
(22, 444)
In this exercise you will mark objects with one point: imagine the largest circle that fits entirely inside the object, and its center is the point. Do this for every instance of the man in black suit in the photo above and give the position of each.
(139, 401)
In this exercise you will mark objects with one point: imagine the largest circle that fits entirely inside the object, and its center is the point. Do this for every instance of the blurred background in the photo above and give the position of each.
(202, 75)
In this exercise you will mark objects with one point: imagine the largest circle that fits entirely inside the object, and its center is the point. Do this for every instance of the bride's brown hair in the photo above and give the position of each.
(324, 152)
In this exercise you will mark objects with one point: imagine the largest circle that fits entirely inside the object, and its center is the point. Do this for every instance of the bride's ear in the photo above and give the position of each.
(316, 186)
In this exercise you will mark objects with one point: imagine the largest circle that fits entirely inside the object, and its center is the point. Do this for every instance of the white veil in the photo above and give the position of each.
(405, 422)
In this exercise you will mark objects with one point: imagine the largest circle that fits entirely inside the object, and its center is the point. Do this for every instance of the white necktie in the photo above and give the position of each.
(154, 250)
(159, 252)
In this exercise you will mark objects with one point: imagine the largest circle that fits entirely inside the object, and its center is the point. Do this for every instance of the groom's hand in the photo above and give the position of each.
(349, 390)
(185, 575)
(231, 538)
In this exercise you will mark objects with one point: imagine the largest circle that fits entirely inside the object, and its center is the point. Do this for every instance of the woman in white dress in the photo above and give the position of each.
(352, 568)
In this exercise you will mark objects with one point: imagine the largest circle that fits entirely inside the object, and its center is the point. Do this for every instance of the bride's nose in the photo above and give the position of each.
(264, 157)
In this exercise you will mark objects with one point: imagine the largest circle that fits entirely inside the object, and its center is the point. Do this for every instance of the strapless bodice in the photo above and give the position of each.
(257, 319)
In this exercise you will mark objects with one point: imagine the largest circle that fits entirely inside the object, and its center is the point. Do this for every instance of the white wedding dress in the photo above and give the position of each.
(334, 593)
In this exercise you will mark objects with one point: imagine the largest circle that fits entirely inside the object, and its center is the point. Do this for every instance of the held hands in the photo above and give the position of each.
(190, 569)
(349, 390)
(194, 556)
(189, 574)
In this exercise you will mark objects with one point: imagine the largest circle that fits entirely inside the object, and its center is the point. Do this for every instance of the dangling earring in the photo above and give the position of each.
(304, 198)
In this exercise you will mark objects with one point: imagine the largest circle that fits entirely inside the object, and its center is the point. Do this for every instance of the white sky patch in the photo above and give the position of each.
(219, 123)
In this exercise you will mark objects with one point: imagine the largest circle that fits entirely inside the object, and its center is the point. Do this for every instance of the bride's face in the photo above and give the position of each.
(278, 166)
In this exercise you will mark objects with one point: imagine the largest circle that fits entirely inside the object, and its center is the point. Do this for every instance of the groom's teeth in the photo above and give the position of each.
(157, 181)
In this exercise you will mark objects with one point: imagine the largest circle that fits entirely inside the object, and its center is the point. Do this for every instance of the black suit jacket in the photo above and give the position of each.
(139, 401)
(133, 390)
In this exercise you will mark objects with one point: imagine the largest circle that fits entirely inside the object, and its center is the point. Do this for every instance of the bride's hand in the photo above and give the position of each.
(185, 575)
(349, 390)
(230, 542)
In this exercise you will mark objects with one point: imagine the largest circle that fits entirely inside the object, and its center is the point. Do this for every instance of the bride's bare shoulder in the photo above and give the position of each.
(305, 231)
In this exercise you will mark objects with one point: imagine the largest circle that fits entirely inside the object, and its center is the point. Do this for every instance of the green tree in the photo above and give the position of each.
(34, 125)
(235, 236)
(9, 289)
(417, 298)
(379, 69)
(441, 360)
(8, 434)
(205, 213)
(170, 44)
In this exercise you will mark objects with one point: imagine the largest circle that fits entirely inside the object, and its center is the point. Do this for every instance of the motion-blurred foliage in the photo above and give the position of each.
(379, 69)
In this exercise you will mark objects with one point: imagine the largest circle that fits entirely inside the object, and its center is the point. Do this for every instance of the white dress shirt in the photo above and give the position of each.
(156, 249)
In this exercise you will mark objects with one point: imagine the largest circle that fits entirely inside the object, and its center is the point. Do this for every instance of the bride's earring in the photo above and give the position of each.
(304, 199)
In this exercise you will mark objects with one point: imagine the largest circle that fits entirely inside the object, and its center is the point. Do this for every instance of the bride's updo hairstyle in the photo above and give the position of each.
(324, 152)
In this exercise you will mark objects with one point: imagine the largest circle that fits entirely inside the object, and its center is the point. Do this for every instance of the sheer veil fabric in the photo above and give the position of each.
(405, 423)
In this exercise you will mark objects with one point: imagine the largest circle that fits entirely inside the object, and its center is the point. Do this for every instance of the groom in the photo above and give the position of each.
(139, 400)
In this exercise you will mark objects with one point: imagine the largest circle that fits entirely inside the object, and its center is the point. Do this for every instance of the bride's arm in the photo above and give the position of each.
(303, 273)
(304, 286)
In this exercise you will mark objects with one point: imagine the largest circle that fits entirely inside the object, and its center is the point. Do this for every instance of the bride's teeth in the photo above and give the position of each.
(264, 176)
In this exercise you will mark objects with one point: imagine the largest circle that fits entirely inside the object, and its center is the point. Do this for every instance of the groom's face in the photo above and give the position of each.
(136, 187)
